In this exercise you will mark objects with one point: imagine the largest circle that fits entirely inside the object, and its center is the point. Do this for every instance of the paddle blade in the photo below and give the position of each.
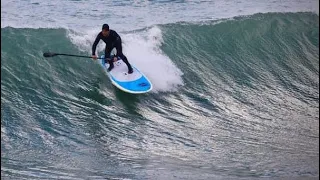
(48, 54)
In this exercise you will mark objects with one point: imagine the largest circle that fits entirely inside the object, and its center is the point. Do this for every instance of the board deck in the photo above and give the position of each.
(135, 83)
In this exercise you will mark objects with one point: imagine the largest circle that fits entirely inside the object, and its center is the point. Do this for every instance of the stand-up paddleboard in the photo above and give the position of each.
(135, 83)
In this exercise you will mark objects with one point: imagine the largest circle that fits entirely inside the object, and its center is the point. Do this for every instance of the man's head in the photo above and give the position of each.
(105, 30)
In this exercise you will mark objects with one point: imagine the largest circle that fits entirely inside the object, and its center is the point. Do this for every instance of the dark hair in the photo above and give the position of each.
(105, 26)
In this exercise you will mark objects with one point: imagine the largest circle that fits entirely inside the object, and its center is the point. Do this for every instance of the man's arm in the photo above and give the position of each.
(94, 46)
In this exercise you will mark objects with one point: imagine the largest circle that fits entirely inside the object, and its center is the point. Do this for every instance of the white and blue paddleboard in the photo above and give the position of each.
(135, 83)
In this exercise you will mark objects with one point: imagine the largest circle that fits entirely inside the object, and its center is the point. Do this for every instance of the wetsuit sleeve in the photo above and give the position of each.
(115, 36)
(94, 46)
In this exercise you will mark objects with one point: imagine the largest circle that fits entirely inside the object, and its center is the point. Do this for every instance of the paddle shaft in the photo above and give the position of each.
(48, 54)
(76, 55)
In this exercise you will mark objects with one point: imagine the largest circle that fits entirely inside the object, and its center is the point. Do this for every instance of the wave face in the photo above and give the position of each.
(234, 98)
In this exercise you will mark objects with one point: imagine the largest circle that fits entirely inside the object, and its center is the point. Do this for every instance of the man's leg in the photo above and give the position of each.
(107, 55)
(122, 56)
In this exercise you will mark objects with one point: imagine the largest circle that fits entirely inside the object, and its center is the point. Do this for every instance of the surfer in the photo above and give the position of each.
(112, 40)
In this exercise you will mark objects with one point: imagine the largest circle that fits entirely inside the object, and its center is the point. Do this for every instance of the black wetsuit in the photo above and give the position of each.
(112, 41)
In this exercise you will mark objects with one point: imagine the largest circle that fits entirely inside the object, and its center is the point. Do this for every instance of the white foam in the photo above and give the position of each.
(143, 51)
(84, 40)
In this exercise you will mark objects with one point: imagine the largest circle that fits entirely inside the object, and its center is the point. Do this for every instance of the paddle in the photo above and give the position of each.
(48, 54)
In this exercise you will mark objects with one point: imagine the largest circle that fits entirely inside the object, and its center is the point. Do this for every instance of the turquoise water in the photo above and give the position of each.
(233, 99)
